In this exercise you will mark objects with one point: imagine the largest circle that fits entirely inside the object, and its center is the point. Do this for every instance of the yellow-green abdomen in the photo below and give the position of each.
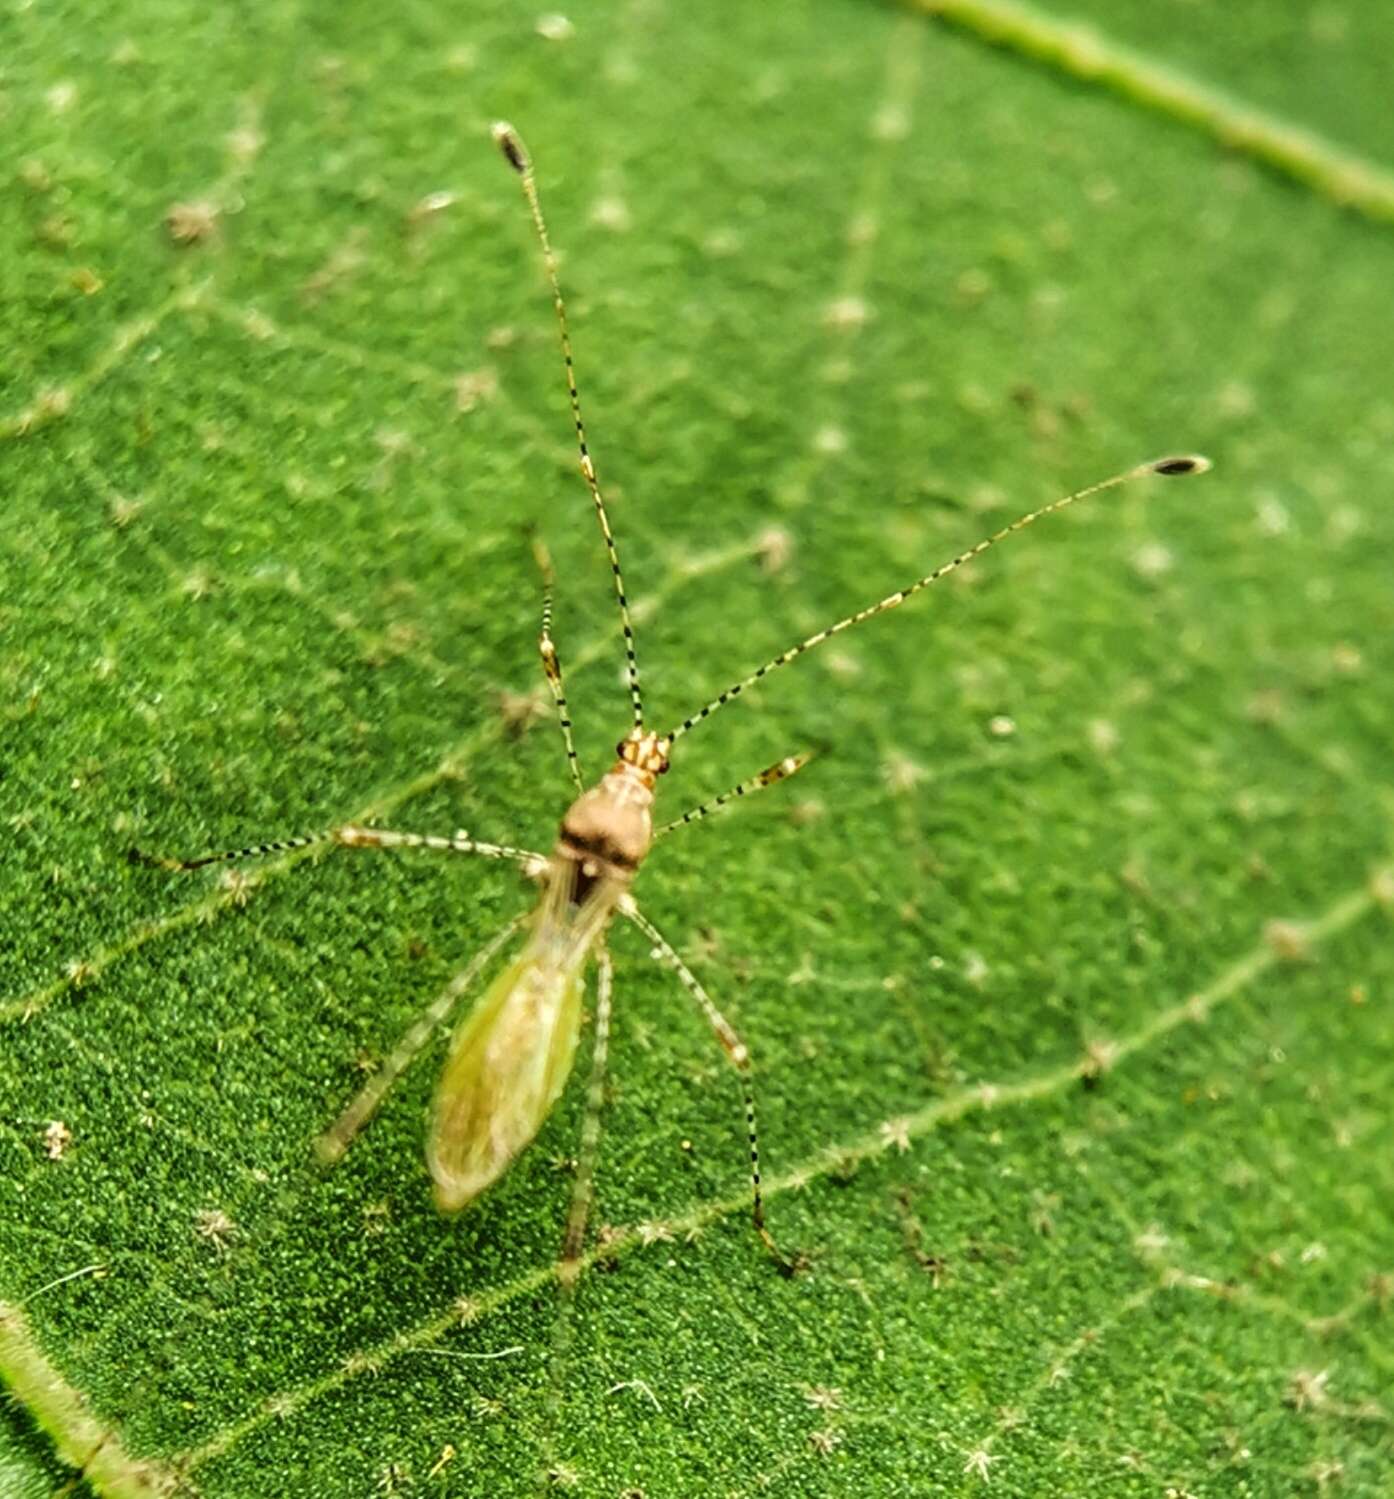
(509, 1060)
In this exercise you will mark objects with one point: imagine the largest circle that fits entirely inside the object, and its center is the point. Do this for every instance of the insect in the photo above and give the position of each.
(510, 1058)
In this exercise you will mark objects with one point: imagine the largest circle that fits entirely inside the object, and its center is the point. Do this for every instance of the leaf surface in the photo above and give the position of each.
(1066, 962)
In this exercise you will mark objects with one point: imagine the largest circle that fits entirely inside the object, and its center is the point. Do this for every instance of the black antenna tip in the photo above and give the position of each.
(1186, 463)
(512, 148)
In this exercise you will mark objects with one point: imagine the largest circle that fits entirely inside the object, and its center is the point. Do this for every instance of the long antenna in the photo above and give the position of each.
(1191, 463)
(517, 157)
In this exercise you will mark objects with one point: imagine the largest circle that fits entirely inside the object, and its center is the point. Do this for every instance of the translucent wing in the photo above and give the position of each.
(510, 1058)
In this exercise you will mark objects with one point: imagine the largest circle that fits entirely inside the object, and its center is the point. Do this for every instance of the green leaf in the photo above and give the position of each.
(1065, 964)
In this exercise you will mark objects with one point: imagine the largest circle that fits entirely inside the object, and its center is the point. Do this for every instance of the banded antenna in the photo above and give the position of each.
(517, 157)
(1167, 468)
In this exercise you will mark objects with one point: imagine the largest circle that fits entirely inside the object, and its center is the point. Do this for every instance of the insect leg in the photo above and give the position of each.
(590, 1131)
(331, 1145)
(551, 662)
(345, 837)
(569, 1269)
(781, 770)
(739, 1055)
(457, 843)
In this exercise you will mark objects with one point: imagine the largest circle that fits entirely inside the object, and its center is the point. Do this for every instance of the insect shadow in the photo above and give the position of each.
(509, 1059)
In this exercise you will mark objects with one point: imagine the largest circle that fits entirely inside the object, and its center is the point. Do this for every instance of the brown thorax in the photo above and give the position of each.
(608, 830)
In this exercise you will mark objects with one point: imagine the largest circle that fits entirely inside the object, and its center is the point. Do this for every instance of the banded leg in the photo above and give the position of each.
(569, 1269)
(551, 662)
(332, 1144)
(582, 1192)
(781, 770)
(739, 1055)
(345, 837)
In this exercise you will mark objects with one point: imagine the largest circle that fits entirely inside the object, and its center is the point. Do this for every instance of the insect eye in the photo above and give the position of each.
(619, 749)
(663, 769)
